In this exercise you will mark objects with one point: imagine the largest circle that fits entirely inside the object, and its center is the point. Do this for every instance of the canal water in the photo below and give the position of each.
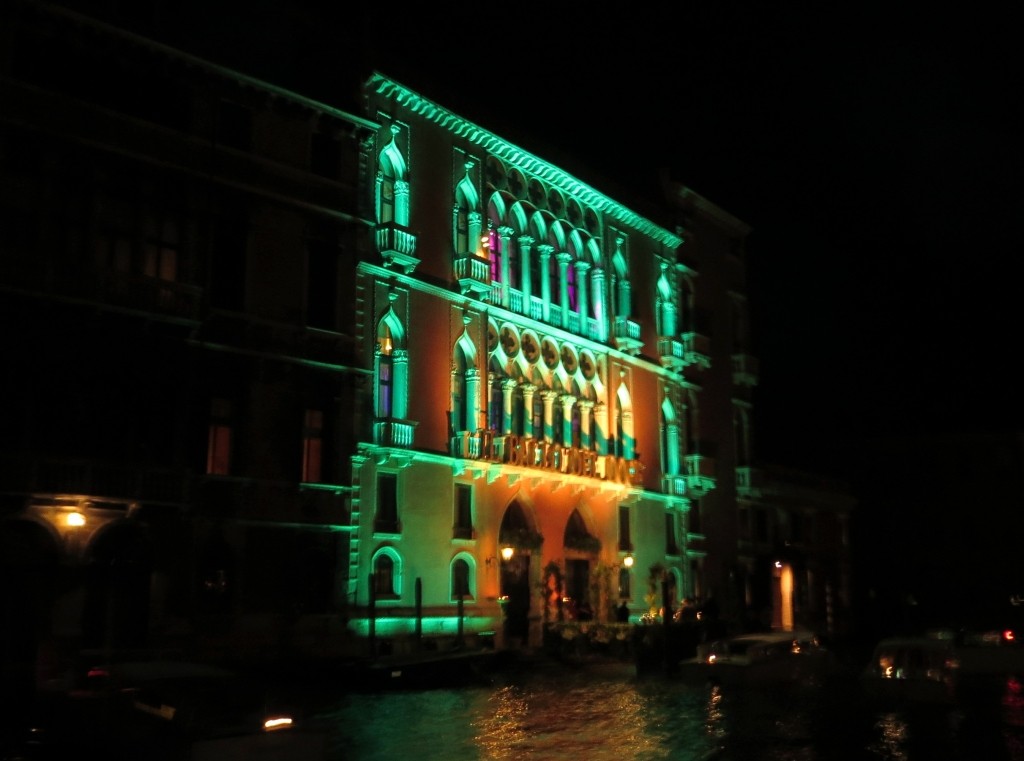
(594, 713)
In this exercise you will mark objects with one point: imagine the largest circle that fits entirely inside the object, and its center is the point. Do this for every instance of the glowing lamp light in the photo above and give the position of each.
(507, 552)
(74, 519)
(276, 723)
(778, 564)
(1009, 636)
(628, 561)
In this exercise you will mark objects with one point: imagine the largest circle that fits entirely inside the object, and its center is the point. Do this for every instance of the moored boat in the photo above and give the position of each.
(795, 658)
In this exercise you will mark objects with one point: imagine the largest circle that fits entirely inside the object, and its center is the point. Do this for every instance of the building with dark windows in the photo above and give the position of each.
(284, 378)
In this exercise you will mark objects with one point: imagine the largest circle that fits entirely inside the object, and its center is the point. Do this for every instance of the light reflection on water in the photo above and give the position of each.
(583, 715)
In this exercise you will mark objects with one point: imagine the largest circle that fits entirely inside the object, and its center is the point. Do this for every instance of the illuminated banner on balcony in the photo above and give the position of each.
(572, 461)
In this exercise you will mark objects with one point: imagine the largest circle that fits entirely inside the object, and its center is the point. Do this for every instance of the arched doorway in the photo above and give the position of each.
(117, 579)
(516, 533)
(581, 549)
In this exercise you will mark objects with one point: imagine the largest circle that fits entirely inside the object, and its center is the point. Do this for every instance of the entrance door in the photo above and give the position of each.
(515, 585)
(577, 583)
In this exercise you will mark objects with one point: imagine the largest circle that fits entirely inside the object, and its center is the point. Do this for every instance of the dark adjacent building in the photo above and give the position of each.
(284, 378)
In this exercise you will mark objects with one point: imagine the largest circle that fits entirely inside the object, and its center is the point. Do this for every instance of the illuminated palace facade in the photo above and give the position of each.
(289, 377)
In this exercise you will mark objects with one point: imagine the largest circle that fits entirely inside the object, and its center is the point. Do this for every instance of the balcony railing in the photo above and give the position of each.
(627, 335)
(473, 274)
(393, 433)
(671, 353)
(674, 485)
(397, 246)
(466, 444)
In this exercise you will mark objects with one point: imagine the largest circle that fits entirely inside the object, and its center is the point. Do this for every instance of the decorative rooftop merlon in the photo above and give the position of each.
(466, 130)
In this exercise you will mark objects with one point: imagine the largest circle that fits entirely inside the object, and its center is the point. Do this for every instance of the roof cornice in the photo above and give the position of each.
(517, 157)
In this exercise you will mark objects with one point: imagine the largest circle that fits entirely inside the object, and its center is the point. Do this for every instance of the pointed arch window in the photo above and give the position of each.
(571, 286)
(460, 394)
(669, 439)
(461, 580)
(385, 372)
(466, 222)
(623, 445)
(496, 404)
(386, 205)
(391, 368)
(494, 246)
(461, 227)
(666, 307)
(577, 536)
(465, 386)
(518, 413)
(384, 576)
(515, 263)
(387, 574)
(392, 187)
(620, 292)
(536, 281)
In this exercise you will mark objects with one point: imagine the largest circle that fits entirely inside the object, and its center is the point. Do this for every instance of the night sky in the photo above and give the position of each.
(876, 157)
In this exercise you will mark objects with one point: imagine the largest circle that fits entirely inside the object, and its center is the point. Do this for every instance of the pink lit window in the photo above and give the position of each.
(218, 451)
(494, 243)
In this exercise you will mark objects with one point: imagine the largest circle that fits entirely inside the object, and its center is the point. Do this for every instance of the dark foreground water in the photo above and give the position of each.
(595, 713)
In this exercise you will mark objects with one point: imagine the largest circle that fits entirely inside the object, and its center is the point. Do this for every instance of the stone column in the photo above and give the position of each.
(528, 392)
(474, 224)
(581, 295)
(508, 385)
(601, 422)
(505, 236)
(402, 202)
(568, 400)
(549, 413)
(586, 415)
(545, 280)
(525, 242)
